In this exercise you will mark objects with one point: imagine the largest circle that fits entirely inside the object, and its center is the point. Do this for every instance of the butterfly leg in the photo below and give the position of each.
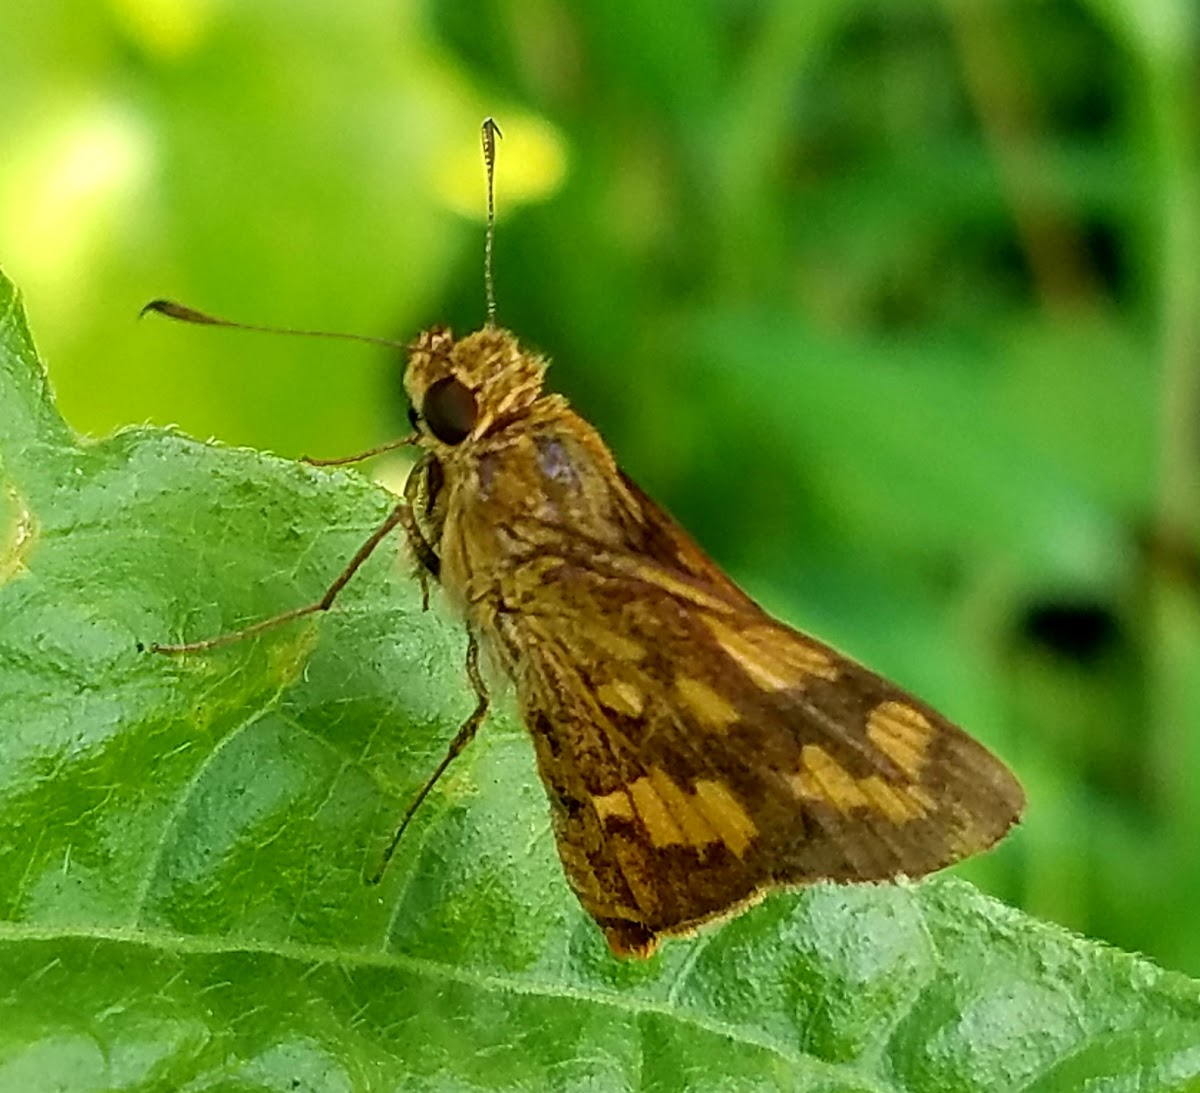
(461, 739)
(399, 515)
(420, 492)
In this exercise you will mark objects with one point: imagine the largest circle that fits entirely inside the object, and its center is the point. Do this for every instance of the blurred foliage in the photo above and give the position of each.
(892, 305)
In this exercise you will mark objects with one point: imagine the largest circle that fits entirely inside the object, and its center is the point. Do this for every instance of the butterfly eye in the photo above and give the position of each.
(449, 410)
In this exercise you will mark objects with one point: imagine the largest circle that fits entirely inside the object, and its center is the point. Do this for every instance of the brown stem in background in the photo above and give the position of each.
(1008, 114)
(1174, 622)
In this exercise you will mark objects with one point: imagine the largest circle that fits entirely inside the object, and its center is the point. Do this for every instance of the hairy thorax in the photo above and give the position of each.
(508, 502)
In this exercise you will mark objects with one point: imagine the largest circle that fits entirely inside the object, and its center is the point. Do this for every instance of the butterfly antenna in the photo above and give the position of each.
(184, 314)
(490, 131)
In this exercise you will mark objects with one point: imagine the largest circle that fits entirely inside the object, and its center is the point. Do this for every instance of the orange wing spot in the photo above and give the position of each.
(688, 591)
(774, 657)
(674, 817)
(682, 806)
(614, 644)
(712, 710)
(794, 649)
(898, 805)
(726, 814)
(616, 804)
(822, 778)
(902, 733)
(621, 696)
(661, 828)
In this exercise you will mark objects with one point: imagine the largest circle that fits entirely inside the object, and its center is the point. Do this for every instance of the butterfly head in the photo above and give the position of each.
(462, 390)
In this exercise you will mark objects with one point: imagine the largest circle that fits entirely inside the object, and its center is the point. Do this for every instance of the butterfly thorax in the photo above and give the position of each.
(511, 473)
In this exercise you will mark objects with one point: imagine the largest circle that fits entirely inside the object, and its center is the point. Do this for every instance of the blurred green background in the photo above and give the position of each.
(895, 305)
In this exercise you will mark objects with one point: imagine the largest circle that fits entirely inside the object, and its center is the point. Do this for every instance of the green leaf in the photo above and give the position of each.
(185, 839)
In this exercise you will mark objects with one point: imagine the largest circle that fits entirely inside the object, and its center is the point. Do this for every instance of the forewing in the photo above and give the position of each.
(698, 752)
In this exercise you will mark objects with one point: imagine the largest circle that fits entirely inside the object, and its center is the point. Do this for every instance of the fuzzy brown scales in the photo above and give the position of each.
(697, 753)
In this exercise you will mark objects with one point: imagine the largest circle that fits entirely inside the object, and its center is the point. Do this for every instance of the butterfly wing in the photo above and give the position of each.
(699, 753)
